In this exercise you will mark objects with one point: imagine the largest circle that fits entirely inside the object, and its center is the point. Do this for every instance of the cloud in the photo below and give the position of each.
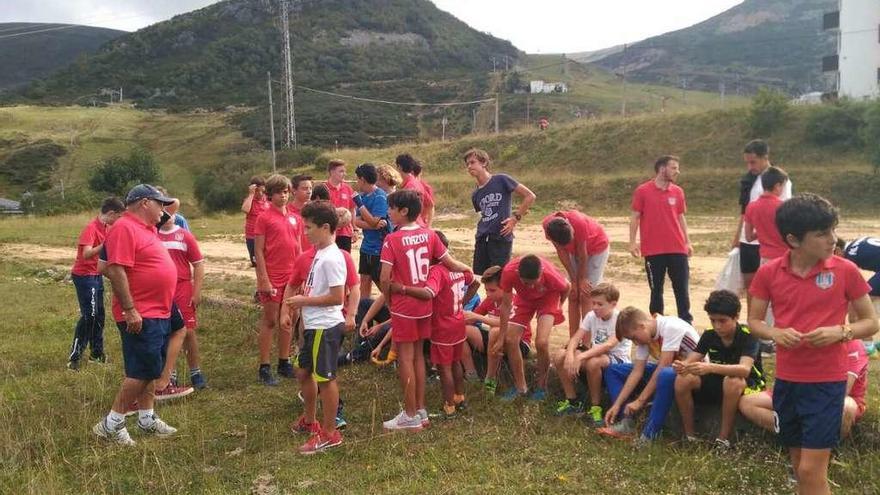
(128, 15)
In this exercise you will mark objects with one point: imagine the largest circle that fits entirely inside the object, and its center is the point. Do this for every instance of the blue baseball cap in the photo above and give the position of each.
(146, 191)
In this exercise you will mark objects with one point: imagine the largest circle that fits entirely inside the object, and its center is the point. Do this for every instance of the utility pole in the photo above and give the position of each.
(623, 104)
(443, 123)
(493, 65)
(474, 125)
(497, 112)
(120, 94)
(288, 75)
(528, 109)
(722, 89)
(506, 63)
(271, 119)
(684, 87)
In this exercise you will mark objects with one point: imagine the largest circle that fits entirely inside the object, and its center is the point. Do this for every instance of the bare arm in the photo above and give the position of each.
(263, 284)
(335, 297)
(119, 280)
(90, 251)
(632, 381)
(687, 237)
(385, 282)
(198, 280)
(248, 202)
(739, 226)
(416, 292)
(526, 196)
(634, 219)
(600, 349)
(751, 235)
(453, 264)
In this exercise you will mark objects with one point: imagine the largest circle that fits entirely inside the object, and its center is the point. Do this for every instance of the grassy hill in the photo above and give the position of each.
(51, 47)
(776, 43)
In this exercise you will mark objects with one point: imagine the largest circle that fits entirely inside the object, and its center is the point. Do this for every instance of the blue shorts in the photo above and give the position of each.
(176, 322)
(143, 354)
(808, 415)
(874, 282)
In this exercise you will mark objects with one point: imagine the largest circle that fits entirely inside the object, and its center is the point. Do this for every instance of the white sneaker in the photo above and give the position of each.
(423, 415)
(119, 436)
(158, 428)
(403, 422)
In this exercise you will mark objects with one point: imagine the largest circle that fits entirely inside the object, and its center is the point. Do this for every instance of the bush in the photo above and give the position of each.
(32, 165)
(871, 134)
(836, 124)
(117, 175)
(295, 158)
(215, 193)
(768, 112)
(51, 203)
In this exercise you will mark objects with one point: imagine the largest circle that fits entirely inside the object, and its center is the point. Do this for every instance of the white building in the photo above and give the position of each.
(548, 87)
(856, 67)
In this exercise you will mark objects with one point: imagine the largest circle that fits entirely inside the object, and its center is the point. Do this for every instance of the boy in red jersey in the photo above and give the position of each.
(300, 195)
(760, 218)
(540, 291)
(810, 290)
(90, 285)
(342, 196)
(254, 204)
(406, 257)
(408, 165)
(447, 289)
(582, 247)
(277, 243)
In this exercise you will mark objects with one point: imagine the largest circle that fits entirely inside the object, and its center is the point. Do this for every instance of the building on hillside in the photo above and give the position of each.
(8, 206)
(547, 87)
(854, 72)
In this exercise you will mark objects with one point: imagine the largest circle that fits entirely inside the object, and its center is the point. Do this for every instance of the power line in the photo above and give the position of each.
(14, 35)
(400, 103)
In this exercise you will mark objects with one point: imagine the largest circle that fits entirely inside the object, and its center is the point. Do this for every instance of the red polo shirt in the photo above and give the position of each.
(659, 228)
(805, 303)
(549, 282)
(92, 235)
(761, 214)
(412, 182)
(282, 231)
(152, 276)
(341, 197)
(585, 231)
(258, 207)
(184, 250)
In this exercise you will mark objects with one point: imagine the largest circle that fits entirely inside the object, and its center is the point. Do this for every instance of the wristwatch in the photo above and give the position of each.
(517, 216)
(847, 333)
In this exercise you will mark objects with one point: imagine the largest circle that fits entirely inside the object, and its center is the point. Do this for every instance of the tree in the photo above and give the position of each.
(871, 134)
(768, 112)
(117, 174)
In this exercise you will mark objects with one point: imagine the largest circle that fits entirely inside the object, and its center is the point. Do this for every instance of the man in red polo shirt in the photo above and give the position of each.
(342, 196)
(144, 278)
(658, 209)
(90, 285)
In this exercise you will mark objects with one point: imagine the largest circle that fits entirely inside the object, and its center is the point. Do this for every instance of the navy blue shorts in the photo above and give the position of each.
(144, 353)
(808, 415)
(874, 282)
(176, 322)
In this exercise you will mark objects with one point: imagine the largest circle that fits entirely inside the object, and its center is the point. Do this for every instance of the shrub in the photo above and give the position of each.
(117, 175)
(768, 112)
(215, 193)
(871, 134)
(294, 158)
(836, 124)
(50, 202)
(32, 165)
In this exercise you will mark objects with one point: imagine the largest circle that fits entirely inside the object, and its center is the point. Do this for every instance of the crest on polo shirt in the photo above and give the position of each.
(672, 200)
(178, 237)
(292, 221)
(824, 280)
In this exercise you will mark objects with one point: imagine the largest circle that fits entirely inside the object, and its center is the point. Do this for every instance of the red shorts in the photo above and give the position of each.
(444, 354)
(276, 296)
(524, 311)
(405, 329)
(183, 298)
(860, 410)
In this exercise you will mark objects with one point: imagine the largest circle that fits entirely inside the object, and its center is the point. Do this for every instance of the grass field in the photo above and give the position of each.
(234, 436)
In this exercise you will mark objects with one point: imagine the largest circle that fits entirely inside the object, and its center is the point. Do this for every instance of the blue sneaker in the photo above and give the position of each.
(285, 369)
(341, 423)
(267, 378)
(538, 395)
(512, 394)
(198, 381)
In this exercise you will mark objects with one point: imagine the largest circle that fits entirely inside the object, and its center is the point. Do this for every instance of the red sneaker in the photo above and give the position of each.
(173, 392)
(319, 442)
(301, 426)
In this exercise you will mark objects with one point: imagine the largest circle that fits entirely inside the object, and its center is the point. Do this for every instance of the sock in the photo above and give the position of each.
(194, 371)
(145, 416)
(282, 362)
(115, 420)
(173, 376)
(265, 366)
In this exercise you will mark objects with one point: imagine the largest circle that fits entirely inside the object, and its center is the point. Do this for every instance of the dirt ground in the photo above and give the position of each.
(228, 257)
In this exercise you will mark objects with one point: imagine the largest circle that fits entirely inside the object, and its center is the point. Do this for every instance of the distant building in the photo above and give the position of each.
(547, 87)
(854, 72)
(7, 206)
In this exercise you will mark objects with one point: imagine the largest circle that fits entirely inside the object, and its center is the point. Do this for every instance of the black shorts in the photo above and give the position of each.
(250, 247)
(371, 265)
(711, 389)
(176, 322)
(524, 347)
(749, 258)
(808, 415)
(143, 353)
(344, 243)
(491, 250)
(320, 352)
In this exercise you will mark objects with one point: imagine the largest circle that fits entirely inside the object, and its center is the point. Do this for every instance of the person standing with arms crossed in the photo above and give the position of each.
(341, 195)
(658, 208)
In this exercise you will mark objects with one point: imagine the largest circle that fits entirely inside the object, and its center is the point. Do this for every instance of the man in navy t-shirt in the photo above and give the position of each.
(492, 199)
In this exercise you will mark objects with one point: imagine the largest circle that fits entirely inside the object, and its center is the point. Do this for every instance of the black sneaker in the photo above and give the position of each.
(73, 365)
(285, 369)
(344, 359)
(198, 381)
(267, 378)
(99, 359)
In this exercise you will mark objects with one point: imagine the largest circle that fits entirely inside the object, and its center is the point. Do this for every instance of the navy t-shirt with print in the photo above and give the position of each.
(492, 201)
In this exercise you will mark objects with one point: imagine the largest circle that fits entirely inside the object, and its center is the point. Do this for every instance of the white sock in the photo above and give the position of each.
(115, 420)
(145, 416)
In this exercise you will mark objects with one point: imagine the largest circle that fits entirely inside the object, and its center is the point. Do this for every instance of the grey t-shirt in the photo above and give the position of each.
(492, 201)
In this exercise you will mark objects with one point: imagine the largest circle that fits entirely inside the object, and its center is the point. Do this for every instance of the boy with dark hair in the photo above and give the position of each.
(540, 291)
(759, 221)
(408, 166)
(341, 195)
(300, 195)
(583, 248)
(665, 339)
(447, 290)
(810, 290)
(597, 332)
(254, 204)
(734, 368)
(406, 257)
(278, 232)
(321, 302)
(370, 217)
(89, 285)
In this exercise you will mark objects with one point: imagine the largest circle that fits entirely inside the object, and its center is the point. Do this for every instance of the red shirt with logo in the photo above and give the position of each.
(586, 230)
(550, 282)
(304, 243)
(819, 299)
(412, 182)
(448, 289)
(282, 231)
(152, 276)
(304, 264)
(492, 308)
(858, 368)
(761, 214)
(258, 207)
(184, 250)
(660, 229)
(92, 235)
(341, 197)
(409, 252)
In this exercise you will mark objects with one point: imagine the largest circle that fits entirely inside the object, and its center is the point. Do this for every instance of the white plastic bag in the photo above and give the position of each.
(730, 277)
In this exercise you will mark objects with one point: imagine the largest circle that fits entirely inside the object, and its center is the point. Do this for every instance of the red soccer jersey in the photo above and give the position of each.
(761, 214)
(341, 197)
(660, 230)
(304, 243)
(585, 231)
(448, 288)
(412, 182)
(409, 251)
(258, 207)
(858, 368)
(152, 277)
(549, 282)
(184, 250)
(92, 235)
(282, 232)
(304, 264)
(805, 303)
(492, 308)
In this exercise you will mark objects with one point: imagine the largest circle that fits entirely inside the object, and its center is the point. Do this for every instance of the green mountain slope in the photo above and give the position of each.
(31, 51)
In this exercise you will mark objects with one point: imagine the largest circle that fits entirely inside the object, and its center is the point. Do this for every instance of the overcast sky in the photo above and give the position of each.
(545, 26)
